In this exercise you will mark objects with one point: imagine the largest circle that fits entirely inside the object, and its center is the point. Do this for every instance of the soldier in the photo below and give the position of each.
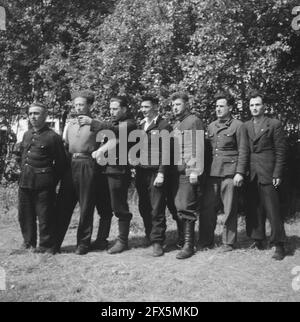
(83, 183)
(43, 161)
(188, 169)
(227, 171)
(150, 178)
(267, 156)
(119, 176)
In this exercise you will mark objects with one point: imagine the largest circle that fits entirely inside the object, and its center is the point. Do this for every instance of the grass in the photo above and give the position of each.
(243, 275)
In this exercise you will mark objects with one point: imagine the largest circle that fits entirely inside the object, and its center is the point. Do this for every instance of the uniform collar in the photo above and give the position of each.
(155, 120)
(224, 124)
(184, 115)
(43, 129)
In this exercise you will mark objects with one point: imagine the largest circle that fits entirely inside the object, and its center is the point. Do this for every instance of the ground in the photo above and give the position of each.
(243, 275)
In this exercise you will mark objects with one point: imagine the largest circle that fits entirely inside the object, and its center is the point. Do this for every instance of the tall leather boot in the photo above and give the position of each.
(189, 236)
(101, 242)
(122, 241)
(180, 234)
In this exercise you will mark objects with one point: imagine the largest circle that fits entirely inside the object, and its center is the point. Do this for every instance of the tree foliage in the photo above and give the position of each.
(136, 46)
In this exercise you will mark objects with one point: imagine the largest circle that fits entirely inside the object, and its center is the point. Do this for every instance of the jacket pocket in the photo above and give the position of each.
(44, 178)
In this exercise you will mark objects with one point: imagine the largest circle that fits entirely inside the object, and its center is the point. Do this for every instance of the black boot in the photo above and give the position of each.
(279, 252)
(189, 235)
(122, 241)
(180, 237)
(101, 242)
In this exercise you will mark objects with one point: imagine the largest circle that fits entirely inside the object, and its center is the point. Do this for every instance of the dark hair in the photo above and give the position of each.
(255, 94)
(180, 95)
(88, 95)
(121, 99)
(225, 95)
(150, 98)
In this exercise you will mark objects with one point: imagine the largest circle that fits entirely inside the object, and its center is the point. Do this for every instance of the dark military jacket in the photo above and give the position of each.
(267, 150)
(156, 148)
(229, 148)
(116, 127)
(43, 159)
(191, 158)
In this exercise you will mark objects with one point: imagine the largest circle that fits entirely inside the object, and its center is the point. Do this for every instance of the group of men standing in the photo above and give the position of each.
(251, 154)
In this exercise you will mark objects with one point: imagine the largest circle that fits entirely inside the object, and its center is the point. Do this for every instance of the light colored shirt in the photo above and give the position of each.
(80, 138)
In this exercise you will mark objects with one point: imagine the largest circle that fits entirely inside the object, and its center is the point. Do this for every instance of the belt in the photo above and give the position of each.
(81, 156)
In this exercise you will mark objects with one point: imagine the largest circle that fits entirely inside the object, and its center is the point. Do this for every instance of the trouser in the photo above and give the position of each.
(186, 198)
(103, 204)
(152, 204)
(35, 204)
(262, 201)
(170, 181)
(78, 185)
(118, 185)
(219, 191)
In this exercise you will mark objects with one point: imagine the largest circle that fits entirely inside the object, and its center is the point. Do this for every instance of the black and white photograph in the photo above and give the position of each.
(149, 154)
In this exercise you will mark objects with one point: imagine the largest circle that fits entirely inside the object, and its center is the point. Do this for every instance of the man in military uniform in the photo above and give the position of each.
(267, 157)
(118, 175)
(227, 171)
(189, 166)
(43, 161)
(151, 178)
(83, 183)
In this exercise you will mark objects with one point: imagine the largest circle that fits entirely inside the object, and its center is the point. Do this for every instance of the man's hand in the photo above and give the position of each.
(193, 178)
(159, 181)
(98, 155)
(84, 120)
(277, 182)
(238, 180)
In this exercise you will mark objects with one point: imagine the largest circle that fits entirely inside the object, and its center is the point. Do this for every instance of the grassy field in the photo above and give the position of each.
(243, 275)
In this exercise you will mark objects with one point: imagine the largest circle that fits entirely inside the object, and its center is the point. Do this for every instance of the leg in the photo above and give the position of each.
(255, 214)
(143, 187)
(208, 215)
(186, 202)
(103, 205)
(84, 178)
(118, 186)
(229, 194)
(44, 206)
(27, 217)
(65, 204)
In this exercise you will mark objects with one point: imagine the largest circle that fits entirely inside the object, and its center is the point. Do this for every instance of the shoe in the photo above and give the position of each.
(205, 248)
(24, 248)
(189, 235)
(226, 249)
(82, 250)
(122, 242)
(147, 242)
(99, 245)
(157, 250)
(41, 250)
(279, 253)
(118, 248)
(258, 244)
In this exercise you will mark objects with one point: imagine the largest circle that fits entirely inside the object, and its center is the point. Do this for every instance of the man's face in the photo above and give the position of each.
(116, 110)
(81, 106)
(257, 107)
(223, 110)
(179, 106)
(148, 109)
(37, 116)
